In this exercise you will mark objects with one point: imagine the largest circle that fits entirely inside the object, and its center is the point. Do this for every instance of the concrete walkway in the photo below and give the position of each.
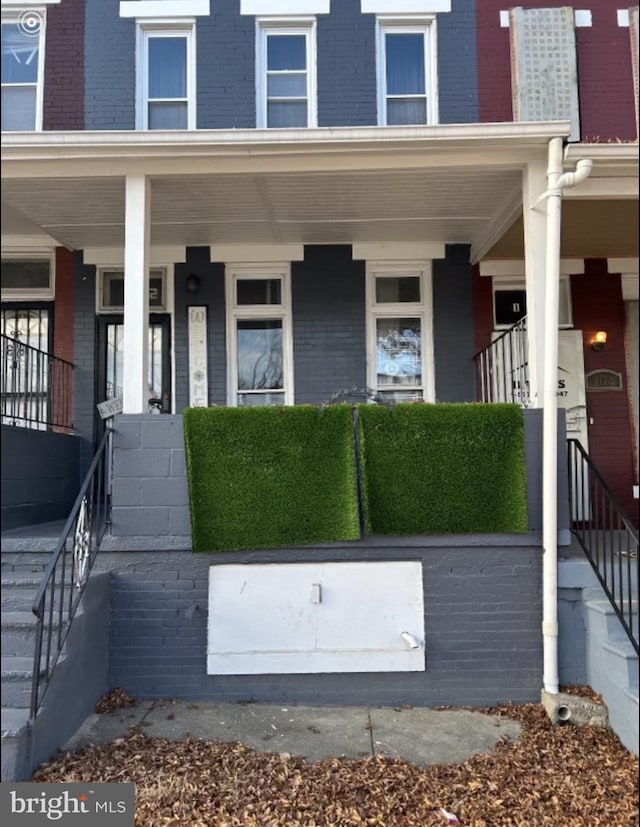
(420, 736)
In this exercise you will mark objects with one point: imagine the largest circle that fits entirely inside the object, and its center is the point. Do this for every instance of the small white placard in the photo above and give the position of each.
(198, 370)
(110, 408)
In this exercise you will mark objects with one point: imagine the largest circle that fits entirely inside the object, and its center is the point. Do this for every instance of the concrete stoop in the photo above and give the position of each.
(612, 667)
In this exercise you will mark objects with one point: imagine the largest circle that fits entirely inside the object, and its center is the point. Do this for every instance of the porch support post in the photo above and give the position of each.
(136, 294)
(534, 184)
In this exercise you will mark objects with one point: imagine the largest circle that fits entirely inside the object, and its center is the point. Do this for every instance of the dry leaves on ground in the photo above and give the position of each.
(115, 699)
(562, 776)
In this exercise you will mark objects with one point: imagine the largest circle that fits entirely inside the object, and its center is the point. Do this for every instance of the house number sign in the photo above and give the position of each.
(198, 372)
(604, 380)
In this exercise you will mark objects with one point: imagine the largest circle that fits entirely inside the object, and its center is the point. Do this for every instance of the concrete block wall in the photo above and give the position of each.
(482, 598)
(40, 476)
(150, 495)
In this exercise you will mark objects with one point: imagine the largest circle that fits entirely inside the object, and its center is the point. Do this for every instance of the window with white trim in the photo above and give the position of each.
(111, 290)
(260, 343)
(286, 75)
(510, 302)
(22, 71)
(166, 77)
(407, 74)
(399, 331)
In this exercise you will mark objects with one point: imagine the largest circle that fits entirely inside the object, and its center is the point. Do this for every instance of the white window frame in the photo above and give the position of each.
(265, 27)
(28, 294)
(516, 283)
(164, 28)
(245, 312)
(426, 26)
(103, 273)
(381, 310)
(12, 18)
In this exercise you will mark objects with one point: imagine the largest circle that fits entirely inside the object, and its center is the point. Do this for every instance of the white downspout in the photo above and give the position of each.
(556, 183)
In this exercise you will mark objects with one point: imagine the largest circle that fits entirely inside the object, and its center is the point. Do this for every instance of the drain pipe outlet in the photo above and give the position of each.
(563, 713)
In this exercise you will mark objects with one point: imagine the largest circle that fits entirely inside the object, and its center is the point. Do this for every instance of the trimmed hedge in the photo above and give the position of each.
(443, 469)
(272, 476)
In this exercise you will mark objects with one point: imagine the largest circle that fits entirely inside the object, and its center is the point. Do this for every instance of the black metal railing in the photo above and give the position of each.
(606, 535)
(35, 387)
(502, 368)
(66, 575)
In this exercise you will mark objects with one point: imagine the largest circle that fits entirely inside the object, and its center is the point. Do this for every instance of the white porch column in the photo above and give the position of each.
(135, 390)
(534, 184)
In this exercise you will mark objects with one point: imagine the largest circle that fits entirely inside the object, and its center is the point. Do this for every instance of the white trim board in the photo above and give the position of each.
(256, 253)
(157, 9)
(515, 268)
(284, 7)
(405, 6)
(114, 256)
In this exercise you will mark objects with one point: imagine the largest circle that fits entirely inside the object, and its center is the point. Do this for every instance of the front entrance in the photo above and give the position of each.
(111, 358)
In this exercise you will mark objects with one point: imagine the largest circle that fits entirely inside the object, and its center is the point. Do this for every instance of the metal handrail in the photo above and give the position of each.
(35, 387)
(67, 572)
(502, 368)
(607, 537)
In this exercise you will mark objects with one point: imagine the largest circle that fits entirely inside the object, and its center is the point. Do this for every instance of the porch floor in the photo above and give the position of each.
(40, 537)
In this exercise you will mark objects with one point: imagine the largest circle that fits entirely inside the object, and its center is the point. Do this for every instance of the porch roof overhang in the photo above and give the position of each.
(443, 184)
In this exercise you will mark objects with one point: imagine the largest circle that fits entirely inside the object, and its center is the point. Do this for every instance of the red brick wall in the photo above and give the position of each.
(598, 305)
(64, 66)
(607, 109)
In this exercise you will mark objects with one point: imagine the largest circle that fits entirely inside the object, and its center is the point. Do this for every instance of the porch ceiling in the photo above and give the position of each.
(447, 184)
(315, 207)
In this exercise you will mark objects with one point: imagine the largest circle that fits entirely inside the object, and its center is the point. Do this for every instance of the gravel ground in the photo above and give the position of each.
(565, 776)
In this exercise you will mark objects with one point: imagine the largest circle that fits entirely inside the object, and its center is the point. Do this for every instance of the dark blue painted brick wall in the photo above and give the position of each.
(110, 69)
(453, 331)
(346, 66)
(457, 63)
(329, 339)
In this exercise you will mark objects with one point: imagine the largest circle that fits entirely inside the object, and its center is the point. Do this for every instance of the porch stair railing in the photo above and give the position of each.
(66, 575)
(502, 368)
(35, 387)
(606, 535)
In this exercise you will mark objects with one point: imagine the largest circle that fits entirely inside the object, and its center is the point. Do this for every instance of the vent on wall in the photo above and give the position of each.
(544, 74)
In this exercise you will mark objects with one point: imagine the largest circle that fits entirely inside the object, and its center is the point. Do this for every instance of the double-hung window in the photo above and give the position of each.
(22, 72)
(399, 330)
(260, 348)
(286, 75)
(406, 74)
(166, 78)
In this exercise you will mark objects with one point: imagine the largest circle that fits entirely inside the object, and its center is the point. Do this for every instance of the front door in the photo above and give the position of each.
(112, 356)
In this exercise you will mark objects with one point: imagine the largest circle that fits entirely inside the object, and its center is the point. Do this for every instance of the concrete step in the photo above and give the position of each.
(19, 633)
(15, 739)
(16, 680)
(18, 593)
(602, 617)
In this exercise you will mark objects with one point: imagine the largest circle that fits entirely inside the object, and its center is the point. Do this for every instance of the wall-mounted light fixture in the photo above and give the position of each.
(193, 283)
(599, 340)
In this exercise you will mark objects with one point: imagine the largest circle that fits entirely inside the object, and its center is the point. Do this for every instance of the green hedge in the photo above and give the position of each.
(443, 469)
(267, 477)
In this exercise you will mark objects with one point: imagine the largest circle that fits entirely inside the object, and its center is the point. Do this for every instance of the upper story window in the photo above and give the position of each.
(22, 72)
(28, 278)
(286, 75)
(406, 74)
(166, 78)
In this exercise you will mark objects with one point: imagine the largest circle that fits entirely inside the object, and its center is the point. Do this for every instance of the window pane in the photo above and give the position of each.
(287, 114)
(287, 86)
(405, 64)
(260, 364)
(167, 116)
(31, 327)
(167, 67)
(288, 51)
(393, 397)
(258, 399)
(24, 274)
(18, 109)
(19, 55)
(399, 351)
(258, 291)
(406, 111)
(398, 289)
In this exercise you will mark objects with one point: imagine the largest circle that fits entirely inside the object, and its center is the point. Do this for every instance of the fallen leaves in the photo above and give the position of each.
(562, 776)
(115, 699)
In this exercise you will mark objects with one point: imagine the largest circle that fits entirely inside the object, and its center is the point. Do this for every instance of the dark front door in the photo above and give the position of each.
(112, 356)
